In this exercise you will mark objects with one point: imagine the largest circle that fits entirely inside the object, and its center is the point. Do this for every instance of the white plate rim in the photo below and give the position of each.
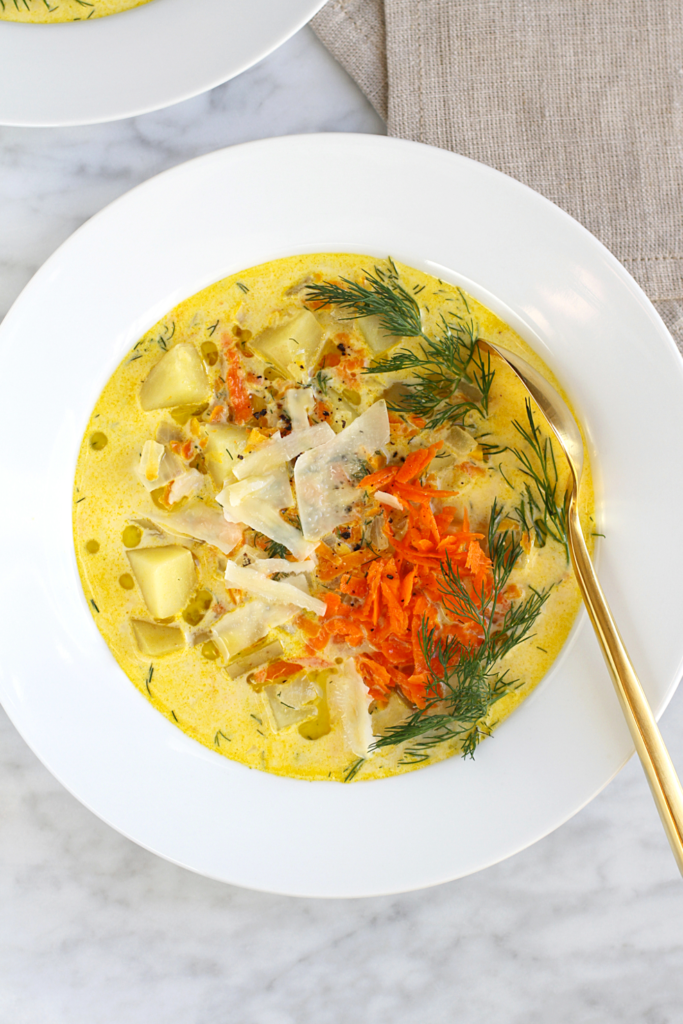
(380, 154)
(113, 67)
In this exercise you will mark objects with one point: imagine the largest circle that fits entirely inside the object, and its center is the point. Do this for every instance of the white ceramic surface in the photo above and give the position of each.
(572, 301)
(149, 57)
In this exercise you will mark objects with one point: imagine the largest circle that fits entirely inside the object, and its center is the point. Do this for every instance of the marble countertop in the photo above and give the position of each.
(586, 926)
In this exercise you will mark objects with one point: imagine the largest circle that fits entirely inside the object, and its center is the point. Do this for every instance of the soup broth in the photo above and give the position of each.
(319, 528)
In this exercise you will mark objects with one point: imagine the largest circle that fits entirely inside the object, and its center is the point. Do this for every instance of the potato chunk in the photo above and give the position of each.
(178, 378)
(225, 442)
(166, 576)
(376, 337)
(294, 347)
(154, 639)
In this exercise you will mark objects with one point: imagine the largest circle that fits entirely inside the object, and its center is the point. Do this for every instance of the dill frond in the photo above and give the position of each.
(542, 508)
(451, 375)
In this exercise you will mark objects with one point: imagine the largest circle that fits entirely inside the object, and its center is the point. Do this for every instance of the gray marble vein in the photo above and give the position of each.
(586, 926)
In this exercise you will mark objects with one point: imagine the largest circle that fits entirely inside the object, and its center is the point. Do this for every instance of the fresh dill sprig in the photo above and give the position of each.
(353, 769)
(275, 550)
(382, 296)
(322, 381)
(542, 507)
(451, 376)
(465, 682)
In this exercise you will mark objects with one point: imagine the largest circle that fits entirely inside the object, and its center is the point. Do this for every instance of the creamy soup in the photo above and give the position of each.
(48, 11)
(320, 529)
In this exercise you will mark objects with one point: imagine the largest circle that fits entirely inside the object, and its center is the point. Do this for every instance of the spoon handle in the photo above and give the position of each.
(660, 772)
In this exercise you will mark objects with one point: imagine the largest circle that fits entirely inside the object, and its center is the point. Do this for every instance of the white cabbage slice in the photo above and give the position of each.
(276, 452)
(349, 698)
(273, 590)
(202, 523)
(323, 477)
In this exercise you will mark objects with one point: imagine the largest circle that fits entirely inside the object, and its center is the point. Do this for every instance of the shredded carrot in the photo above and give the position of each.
(239, 397)
(375, 481)
(282, 670)
(384, 601)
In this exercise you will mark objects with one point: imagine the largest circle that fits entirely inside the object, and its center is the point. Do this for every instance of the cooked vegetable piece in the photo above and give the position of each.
(273, 489)
(185, 485)
(460, 441)
(225, 443)
(177, 379)
(203, 523)
(276, 453)
(299, 402)
(319, 726)
(249, 662)
(325, 490)
(168, 466)
(350, 699)
(291, 703)
(150, 460)
(166, 577)
(272, 590)
(249, 623)
(269, 566)
(155, 639)
(260, 507)
(293, 347)
(377, 338)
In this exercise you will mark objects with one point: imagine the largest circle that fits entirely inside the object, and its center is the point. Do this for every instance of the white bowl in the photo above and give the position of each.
(524, 258)
(130, 63)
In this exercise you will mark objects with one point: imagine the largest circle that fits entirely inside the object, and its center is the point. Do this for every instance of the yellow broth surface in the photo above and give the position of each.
(200, 680)
(42, 12)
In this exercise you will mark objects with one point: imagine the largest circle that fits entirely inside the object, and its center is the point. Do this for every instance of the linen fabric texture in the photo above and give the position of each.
(579, 99)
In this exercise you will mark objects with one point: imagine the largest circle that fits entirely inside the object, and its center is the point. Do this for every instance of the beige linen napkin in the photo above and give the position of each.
(580, 99)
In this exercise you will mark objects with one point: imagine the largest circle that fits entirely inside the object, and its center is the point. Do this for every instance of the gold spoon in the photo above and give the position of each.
(660, 772)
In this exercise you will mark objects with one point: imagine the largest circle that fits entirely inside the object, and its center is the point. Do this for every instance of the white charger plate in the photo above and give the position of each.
(463, 222)
(130, 63)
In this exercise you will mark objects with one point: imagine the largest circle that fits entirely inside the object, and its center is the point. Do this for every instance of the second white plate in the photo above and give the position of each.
(130, 63)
